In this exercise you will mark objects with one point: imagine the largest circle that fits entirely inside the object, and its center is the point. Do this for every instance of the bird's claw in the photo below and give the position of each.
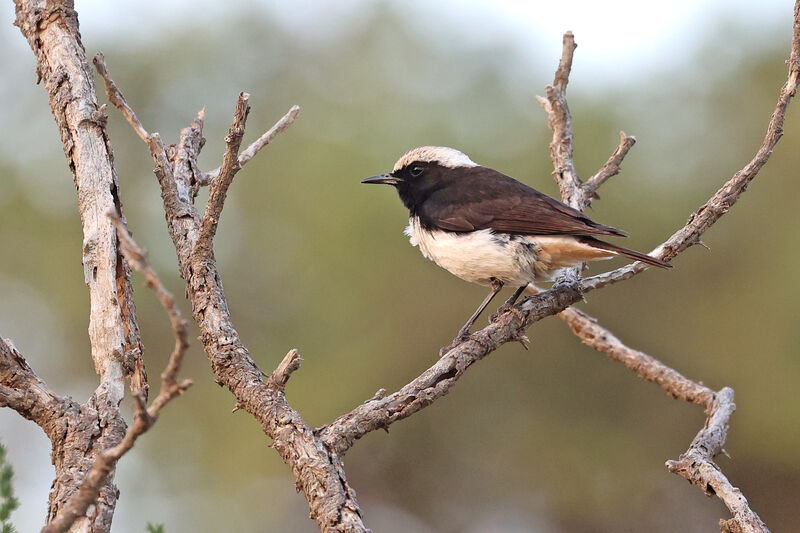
(462, 336)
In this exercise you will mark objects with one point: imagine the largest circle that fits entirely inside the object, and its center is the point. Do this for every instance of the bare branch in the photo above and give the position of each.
(436, 381)
(138, 258)
(610, 169)
(116, 98)
(53, 33)
(319, 473)
(249, 152)
(592, 334)
(560, 121)
(24, 391)
(697, 466)
(561, 78)
(144, 417)
(219, 188)
(729, 193)
(280, 376)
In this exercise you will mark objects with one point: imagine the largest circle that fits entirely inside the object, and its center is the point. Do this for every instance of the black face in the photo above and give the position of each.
(416, 181)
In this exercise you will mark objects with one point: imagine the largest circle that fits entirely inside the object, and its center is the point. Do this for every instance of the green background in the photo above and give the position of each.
(556, 439)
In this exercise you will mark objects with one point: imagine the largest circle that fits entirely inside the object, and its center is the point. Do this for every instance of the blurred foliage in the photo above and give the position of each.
(555, 439)
(155, 528)
(8, 502)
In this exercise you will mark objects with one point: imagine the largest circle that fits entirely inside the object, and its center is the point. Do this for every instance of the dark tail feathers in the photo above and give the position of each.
(627, 252)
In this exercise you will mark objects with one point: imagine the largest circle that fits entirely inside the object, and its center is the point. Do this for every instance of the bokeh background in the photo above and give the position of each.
(556, 439)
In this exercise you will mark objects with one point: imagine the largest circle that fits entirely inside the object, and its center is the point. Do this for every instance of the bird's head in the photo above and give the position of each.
(423, 170)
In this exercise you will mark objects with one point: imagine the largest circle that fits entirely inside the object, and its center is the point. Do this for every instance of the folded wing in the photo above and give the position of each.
(483, 198)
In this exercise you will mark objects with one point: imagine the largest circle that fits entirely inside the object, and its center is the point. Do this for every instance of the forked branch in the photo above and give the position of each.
(144, 417)
(314, 457)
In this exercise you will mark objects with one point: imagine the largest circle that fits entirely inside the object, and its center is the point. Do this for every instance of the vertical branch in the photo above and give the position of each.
(51, 28)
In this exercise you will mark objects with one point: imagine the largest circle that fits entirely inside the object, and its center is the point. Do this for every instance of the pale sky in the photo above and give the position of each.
(636, 35)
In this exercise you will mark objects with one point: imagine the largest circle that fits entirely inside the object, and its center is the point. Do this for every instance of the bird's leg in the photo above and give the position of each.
(513, 298)
(463, 333)
(509, 305)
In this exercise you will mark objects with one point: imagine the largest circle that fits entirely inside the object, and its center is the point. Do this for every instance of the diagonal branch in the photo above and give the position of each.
(250, 152)
(611, 167)
(696, 465)
(729, 193)
(436, 381)
(219, 188)
(381, 411)
(144, 417)
(116, 98)
(24, 391)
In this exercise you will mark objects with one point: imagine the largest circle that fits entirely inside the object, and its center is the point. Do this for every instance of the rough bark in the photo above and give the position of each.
(89, 439)
(51, 28)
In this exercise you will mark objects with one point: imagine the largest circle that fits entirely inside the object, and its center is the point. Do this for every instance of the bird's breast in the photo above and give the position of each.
(477, 256)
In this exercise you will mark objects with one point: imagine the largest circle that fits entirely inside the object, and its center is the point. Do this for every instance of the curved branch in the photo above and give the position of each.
(144, 417)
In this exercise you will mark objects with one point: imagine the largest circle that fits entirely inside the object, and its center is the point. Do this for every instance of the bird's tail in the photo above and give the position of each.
(627, 252)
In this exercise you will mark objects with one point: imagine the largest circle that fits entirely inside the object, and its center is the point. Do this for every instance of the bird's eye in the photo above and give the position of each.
(416, 171)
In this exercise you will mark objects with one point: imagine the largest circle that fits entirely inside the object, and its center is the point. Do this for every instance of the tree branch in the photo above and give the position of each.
(729, 193)
(24, 391)
(379, 412)
(219, 188)
(144, 417)
(696, 465)
(319, 473)
(560, 121)
(610, 169)
(51, 28)
(249, 152)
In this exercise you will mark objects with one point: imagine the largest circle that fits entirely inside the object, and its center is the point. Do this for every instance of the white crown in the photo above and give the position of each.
(447, 157)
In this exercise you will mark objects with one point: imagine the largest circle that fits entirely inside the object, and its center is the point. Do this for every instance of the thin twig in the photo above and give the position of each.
(249, 152)
(144, 417)
(280, 376)
(560, 121)
(610, 168)
(138, 258)
(729, 193)
(219, 188)
(115, 97)
(644, 366)
(697, 464)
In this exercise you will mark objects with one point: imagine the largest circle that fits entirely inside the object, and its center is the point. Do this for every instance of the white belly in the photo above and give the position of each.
(478, 256)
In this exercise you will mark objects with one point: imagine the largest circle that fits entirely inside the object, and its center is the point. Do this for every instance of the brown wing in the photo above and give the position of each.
(482, 198)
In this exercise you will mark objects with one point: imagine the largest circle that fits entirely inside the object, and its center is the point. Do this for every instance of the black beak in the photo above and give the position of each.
(388, 179)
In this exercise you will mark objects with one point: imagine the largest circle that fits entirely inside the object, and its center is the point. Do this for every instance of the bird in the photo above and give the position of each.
(487, 228)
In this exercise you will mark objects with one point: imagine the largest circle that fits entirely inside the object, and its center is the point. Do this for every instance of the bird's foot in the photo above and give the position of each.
(462, 336)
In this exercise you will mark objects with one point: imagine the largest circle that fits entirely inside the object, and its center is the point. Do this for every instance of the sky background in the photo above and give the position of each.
(554, 439)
